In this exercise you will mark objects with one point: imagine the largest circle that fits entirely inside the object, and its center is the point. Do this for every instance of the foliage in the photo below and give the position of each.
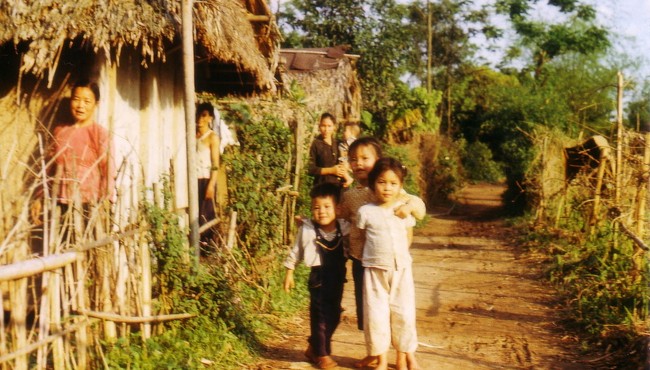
(413, 111)
(575, 32)
(600, 279)
(441, 170)
(444, 66)
(478, 163)
(638, 110)
(255, 170)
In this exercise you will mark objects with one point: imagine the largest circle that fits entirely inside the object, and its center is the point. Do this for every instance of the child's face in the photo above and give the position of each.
(204, 120)
(82, 104)
(326, 127)
(323, 210)
(388, 187)
(362, 161)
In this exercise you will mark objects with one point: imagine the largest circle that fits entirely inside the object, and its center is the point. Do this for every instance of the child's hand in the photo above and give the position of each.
(299, 220)
(288, 281)
(403, 211)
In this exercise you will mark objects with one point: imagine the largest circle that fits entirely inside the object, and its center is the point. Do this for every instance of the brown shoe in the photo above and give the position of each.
(309, 353)
(325, 362)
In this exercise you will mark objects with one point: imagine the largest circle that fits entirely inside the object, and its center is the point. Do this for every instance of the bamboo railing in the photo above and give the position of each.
(55, 321)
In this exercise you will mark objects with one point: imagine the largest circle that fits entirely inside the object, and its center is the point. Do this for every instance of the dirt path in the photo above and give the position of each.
(480, 304)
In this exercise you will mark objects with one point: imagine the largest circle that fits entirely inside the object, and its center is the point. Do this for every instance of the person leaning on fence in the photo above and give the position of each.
(83, 152)
(324, 155)
(207, 163)
(320, 244)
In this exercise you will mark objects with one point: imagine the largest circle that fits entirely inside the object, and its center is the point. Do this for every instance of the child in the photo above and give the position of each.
(319, 244)
(363, 154)
(207, 165)
(351, 131)
(389, 292)
(324, 155)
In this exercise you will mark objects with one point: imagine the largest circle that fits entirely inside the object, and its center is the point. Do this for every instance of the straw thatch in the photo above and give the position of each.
(42, 28)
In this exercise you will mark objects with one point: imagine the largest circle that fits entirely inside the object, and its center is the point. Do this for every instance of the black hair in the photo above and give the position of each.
(327, 115)
(203, 107)
(386, 164)
(366, 141)
(326, 189)
(85, 82)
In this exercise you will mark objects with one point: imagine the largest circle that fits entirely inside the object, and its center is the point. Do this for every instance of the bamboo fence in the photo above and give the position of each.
(87, 279)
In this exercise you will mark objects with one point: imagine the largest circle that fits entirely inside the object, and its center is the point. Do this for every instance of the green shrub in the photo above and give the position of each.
(479, 165)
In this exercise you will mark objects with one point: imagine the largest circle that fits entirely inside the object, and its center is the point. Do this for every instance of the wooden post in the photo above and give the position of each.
(18, 296)
(82, 333)
(429, 47)
(187, 32)
(54, 294)
(145, 261)
(619, 139)
(643, 188)
(618, 174)
(593, 221)
(232, 231)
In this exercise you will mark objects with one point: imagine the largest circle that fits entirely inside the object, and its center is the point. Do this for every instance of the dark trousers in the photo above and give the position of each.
(325, 292)
(357, 276)
(206, 213)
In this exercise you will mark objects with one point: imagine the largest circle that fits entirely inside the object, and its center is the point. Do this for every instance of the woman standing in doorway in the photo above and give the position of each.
(207, 147)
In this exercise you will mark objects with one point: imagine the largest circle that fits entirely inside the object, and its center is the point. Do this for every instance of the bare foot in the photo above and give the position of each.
(382, 362)
(368, 361)
(412, 362)
(401, 363)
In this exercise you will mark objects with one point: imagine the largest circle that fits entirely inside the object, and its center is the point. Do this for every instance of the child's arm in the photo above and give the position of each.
(409, 235)
(288, 280)
(295, 255)
(413, 206)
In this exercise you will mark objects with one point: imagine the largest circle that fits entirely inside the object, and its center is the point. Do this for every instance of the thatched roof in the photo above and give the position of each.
(222, 27)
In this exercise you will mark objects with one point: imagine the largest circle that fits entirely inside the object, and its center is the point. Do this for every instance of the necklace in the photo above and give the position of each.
(327, 245)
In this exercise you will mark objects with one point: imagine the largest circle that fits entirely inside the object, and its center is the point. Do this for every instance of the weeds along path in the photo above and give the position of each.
(480, 303)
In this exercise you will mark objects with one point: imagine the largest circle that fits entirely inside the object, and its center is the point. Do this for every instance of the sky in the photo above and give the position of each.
(628, 20)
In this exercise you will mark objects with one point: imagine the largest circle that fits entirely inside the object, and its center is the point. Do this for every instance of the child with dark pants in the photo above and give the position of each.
(320, 245)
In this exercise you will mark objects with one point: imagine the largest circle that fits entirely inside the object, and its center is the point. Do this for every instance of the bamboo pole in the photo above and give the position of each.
(18, 320)
(187, 33)
(232, 231)
(619, 138)
(619, 150)
(643, 188)
(58, 352)
(27, 349)
(35, 266)
(145, 263)
(3, 336)
(593, 220)
(81, 334)
(136, 320)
